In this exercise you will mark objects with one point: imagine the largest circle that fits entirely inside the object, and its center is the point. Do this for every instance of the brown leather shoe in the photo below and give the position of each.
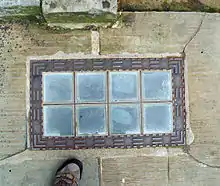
(69, 173)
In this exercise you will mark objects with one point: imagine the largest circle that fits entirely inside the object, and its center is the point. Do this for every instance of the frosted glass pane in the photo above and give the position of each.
(58, 87)
(58, 120)
(158, 118)
(124, 119)
(91, 120)
(91, 87)
(123, 86)
(157, 85)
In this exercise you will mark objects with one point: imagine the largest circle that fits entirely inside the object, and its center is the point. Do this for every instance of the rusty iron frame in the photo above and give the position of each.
(40, 142)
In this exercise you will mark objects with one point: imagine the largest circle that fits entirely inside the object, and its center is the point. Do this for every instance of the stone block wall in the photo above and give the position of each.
(170, 5)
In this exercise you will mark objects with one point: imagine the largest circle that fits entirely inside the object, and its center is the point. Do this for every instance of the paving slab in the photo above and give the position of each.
(184, 171)
(17, 42)
(150, 32)
(37, 172)
(38, 167)
(134, 171)
(202, 55)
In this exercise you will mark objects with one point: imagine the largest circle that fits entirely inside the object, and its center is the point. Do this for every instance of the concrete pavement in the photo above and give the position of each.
(147, 33)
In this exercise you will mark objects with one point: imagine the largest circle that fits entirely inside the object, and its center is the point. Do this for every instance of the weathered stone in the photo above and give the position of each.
(93, 7)
(80, 20)
(10, 3)
(78, 14)
(22, 12)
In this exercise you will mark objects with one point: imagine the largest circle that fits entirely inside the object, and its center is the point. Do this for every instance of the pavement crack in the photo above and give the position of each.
(168, 169)
(203, 163)
(187, 151)
(168, 166)
(195, 34)
(11, 155)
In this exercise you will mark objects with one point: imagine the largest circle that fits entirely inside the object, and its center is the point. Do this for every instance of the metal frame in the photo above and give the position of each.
(40, 142)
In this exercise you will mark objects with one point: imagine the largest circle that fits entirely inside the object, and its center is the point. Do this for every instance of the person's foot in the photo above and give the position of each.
(69, 173)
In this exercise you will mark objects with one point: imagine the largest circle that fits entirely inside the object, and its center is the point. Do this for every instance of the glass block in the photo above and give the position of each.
(157, 85)
(123, 86)
(124, 119)
(158, 118)
(91, 120)
(58, 120)
(91, 87)
(57, 87)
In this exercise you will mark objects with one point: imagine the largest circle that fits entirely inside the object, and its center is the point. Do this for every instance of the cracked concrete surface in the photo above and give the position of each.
(151, 33)
(204, 75)
(196, 34)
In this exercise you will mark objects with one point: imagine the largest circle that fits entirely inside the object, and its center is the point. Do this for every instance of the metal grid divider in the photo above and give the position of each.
(74, 105)
(108, 102)
(141, 103)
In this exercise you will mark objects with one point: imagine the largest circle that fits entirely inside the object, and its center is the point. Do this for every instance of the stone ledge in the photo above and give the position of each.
(77, 14)
(78, 20)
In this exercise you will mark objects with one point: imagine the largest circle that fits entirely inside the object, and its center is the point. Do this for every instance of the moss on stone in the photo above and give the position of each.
(139, 7)
(21, 14)
(32, 19)
(22, 10)
(175, 6)
(44, 28)
(33, 16)
(82, 17)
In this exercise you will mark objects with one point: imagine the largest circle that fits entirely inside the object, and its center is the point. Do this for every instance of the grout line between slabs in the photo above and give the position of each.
(95, 42)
